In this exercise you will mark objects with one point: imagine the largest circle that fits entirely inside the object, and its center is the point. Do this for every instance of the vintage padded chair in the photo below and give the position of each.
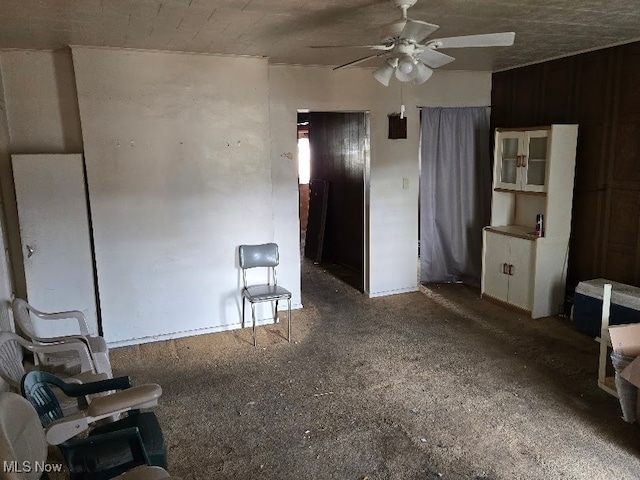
(22, 314)
(263, 256)
(60, 430)
(22, 439)
(12, 368)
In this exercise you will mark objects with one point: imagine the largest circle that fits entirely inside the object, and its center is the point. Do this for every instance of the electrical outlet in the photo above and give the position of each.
(405, 183)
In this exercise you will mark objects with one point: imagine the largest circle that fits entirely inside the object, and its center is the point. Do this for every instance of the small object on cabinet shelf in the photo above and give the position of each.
(540, 225)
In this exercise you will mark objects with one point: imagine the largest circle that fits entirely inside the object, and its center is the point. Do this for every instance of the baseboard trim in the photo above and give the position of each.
(394, 292)
(192, 333)
(502, 303)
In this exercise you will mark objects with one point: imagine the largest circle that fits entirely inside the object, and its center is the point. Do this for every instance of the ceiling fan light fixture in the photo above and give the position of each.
(406, 64)
(385, 72)
(414, 54)
(423, 73)
(406, 70)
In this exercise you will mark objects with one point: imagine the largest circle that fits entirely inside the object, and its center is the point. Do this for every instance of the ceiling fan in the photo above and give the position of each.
(411, 55)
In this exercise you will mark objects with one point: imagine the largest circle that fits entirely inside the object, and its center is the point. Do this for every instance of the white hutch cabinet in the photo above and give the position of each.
(533, 174)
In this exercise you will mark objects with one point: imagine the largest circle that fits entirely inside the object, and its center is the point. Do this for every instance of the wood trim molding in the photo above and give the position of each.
(506, 305)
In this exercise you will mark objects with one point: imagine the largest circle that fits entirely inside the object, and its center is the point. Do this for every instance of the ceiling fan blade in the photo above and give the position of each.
(417, 30)
(360, 60)
(434, 59)
(504, 39)
(372, 47)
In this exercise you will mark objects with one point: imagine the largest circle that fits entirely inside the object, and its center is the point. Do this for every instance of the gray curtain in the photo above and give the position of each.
(455, 193)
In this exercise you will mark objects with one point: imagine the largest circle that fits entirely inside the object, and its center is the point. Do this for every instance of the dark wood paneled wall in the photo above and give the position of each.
(600, 91)
(339, 146)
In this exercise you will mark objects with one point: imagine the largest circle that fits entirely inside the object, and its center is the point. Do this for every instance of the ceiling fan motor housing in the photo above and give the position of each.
(404, 3)
(392, 31)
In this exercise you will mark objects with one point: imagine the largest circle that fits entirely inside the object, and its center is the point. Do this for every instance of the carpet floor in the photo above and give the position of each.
(424, 385)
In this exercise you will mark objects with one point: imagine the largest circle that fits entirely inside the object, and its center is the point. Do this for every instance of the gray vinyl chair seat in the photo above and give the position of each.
(263, 256)
(266, 293)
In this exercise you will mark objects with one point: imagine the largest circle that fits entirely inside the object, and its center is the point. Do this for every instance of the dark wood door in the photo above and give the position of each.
(339, 146)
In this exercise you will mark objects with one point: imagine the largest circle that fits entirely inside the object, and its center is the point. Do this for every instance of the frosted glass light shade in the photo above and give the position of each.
(406, 65)
(422, 73)
(385, 72)
(406, 69)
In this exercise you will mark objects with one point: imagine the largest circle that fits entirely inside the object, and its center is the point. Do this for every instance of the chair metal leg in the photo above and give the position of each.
(275, 313)
(253, 316)
(243, 305)
(289, 318)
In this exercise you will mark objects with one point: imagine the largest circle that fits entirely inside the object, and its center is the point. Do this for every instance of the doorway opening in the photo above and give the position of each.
(332, 204)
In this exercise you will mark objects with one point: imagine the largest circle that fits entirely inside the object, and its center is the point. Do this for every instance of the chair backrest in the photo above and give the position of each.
(22, 317)
(11, 357)
(35, 388)
(265, 255)
(22, 438)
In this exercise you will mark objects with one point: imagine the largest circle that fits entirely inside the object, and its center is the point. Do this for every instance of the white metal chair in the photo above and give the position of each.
(263, 256)
(22, 314)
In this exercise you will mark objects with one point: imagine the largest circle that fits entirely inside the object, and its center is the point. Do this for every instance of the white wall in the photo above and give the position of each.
(42, 108)
(393, 215)
(177, 153)
(171, 208)
(6, 290)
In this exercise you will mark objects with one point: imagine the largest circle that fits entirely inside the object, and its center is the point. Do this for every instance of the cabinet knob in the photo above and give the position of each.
(510, 269)
(505, 268)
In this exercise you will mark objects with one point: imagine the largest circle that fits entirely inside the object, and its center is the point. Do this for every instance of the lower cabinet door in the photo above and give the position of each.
(522, 264)
(496, 255)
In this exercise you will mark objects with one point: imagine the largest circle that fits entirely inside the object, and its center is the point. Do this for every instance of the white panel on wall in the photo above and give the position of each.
(55, 236)
(177, 153)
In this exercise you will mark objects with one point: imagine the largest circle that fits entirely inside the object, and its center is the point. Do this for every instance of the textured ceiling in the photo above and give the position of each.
(284, 29)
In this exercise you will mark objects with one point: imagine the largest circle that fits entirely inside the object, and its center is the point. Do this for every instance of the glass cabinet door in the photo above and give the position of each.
(534, 161)
(507, 172)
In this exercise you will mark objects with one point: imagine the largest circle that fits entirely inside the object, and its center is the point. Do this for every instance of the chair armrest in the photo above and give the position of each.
(90, 388)
(63, 429)
(81, 348)
(135, 397)
(68, 427)
(78, 315)
(81, 447)
(63, 339)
